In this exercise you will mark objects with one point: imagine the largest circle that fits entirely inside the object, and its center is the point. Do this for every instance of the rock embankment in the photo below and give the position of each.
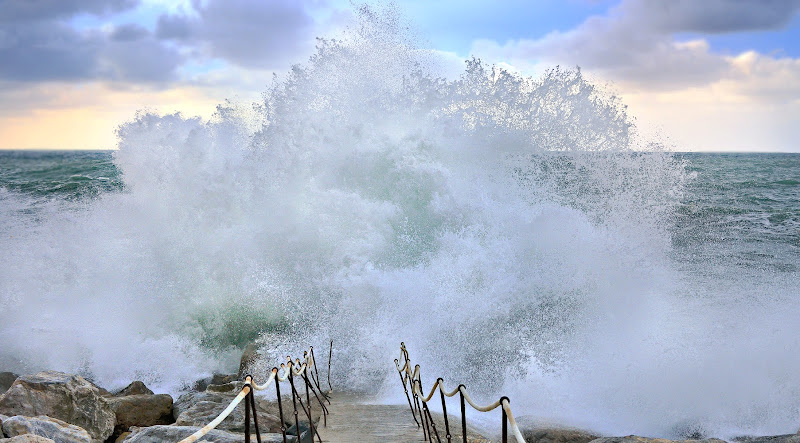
(53, 406)
(539, 432)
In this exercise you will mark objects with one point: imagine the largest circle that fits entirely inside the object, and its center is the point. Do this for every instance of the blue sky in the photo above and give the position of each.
(703, 75)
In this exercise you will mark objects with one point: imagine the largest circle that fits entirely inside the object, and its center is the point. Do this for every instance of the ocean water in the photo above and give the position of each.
(517, 233)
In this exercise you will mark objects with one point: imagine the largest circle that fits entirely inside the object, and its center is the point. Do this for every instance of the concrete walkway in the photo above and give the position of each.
(353, 418)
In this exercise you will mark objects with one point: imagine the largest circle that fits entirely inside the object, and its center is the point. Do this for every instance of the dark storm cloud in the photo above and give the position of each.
(37, 44)
(713, 16)
(45, 50)
(175, 27)
(129, 32)
(249, 33)
(37, 10)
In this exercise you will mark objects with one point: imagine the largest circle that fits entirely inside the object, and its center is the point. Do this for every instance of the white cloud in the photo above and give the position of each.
(703, 99)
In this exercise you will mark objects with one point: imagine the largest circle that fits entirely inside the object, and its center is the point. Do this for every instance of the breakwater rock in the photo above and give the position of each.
(66, 397)
(55, 407)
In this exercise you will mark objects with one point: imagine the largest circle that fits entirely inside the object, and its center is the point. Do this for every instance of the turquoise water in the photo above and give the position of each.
(740, 210)
(68, 175)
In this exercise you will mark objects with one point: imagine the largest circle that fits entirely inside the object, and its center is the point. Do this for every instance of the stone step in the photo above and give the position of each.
(355, 418)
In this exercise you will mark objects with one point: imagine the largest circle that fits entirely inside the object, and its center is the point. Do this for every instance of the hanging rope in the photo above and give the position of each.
(305, 369)
(412, 379)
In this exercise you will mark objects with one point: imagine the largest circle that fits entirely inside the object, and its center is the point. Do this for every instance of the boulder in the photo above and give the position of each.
(186, 401)
(63, 396)
(26, 438)
(216, 379)
(221, 379)
(6, 380)
(787, 438)
(249, 357)
(141, 410)
(305, 432)
(135, 388)
(542, 430)
(232, 388)
(199, 408)
(162, 433)
(637, 439)
(557, 435)
(43, 426)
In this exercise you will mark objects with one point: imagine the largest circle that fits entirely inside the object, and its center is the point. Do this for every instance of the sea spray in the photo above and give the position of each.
(513, 231)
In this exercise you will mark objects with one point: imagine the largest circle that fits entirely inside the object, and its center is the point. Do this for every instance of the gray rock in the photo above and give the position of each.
(557, 435)
(787, 438)
(249, 357)
(186, 401)
(6, 380)
(216, 379)
(232, 387)
(135, 388)
(637, 439)
(43, 426)
(141, 410)
(26, 438)
(305, 432)
(161, 433)
(541, 430)
(203, 412)
(63, 396)
(221, 379)
(199, 408)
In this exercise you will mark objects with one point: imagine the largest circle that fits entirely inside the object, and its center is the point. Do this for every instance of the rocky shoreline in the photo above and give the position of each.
(53, 406)
(59, 407)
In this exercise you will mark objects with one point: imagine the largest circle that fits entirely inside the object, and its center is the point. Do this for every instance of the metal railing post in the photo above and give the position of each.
(444, 411)
(463, 413)
(420, 404)
(280, 404)
(247, 416)
(330, 354)
(505, 420)
(405, 389)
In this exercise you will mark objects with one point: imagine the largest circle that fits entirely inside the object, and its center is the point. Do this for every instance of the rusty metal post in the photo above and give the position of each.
(330, 354)
(433, 425)
(280, 404)
(247, 415)
(461, 389)
(316, 372)
(307, 411)
(308, 402)
(294, 400)
(322, 405)
(505, 420)
(405, 389)
(444, 411)
(255, 415)
(316, 381)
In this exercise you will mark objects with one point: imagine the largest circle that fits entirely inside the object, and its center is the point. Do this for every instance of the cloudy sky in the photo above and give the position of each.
(719, 75)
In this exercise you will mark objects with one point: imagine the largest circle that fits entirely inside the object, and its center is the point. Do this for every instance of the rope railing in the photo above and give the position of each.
(306, 369)
(421, 413)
